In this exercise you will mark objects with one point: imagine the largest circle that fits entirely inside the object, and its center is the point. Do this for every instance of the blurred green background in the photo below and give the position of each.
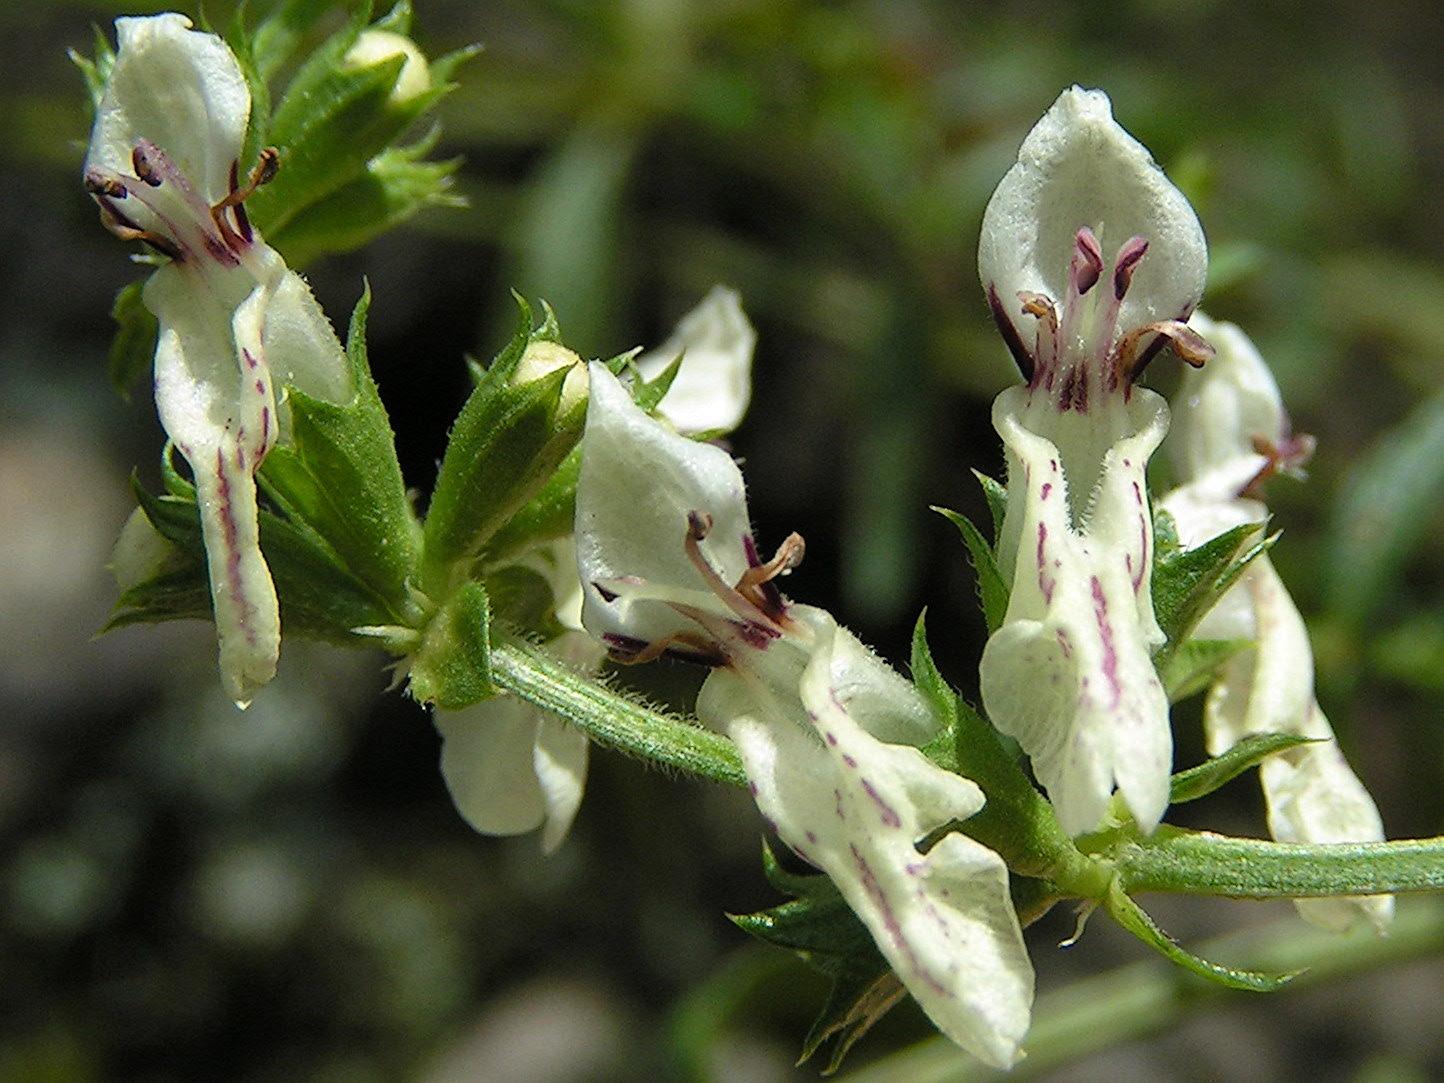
(191, 893)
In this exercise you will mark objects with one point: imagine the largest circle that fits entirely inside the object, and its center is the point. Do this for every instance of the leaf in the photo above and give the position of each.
(319, 598)
(996, 493)
(452, 668)
(1132, 917)
(820, 928)
(648, 394)
(242, 46)
(1199, 781)
(1193, 664)
(339, 475)
(395, 185)
(506, 443)
(993, 590)
(1187, 582)
(133, 348)
(1017, 821)
(523, 598)
(549, 515)
(334, 119)
(96, 73)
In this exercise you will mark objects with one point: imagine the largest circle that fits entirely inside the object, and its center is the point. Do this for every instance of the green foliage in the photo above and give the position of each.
(1017, 821)
(819, 927)
(1202, 780)
(545, 517)
(1192, 666)
(339, 475)
(1389, 499)
(320, 598)
(395, 184)
(342, 180)
(996, 493)
(96, 71)
(1187, 582)
(452, 669)
(993, 589)
(507, 442)
(1133, 918)
(133, 347)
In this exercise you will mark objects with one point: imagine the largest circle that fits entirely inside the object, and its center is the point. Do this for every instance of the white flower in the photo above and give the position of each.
(510, 767)
(1231, 433)
(1069, 674)
(234, 322)
(714, 383)
(827, 732)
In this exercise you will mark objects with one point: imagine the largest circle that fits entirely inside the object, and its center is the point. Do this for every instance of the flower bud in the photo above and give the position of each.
(378, 46)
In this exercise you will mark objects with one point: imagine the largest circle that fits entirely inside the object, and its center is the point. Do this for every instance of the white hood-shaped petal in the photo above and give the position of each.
(639, 482)
(1079, 168)
(713, 386)
(1070, 672)
(179, 88)
(855, 807)
(1312, 794)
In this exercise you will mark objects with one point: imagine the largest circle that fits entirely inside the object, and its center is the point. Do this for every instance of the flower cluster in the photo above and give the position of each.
(1091, 262)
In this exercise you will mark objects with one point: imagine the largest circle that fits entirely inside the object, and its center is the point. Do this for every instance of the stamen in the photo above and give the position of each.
(1040, 305)
(1136, 348)
(1087, 264)
(1287, 457)
(628, 651)
(98, 184)
(1132, 251)
(265, 170)
(699, 525)
(756, 582)
(144, 168)
(122, 227)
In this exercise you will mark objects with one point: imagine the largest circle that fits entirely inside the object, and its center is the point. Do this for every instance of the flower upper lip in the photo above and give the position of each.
(1083, 186)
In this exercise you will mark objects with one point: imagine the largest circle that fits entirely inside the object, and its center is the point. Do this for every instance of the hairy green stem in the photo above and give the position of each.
(1134, 1001)
(608, 717)
(1200, 863)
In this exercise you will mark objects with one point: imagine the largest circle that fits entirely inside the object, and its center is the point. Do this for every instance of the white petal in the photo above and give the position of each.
(1070, 673)
(218, 407)
(639, 481)
(487, 760)
(181, 89)
(560, 761)
(1076, 168)
(855, 807)
(1312, 794)
(1218, 413)
(301, 345)
(714, 383)
(1222, 407)
(512, 768)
